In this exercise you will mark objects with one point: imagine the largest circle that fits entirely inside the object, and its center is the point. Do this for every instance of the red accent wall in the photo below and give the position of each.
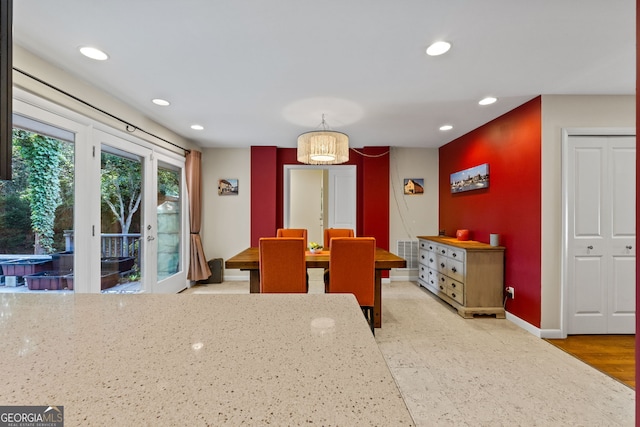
(375, 195)
(511, 206)
(372, 204)
(263, 192)
(637, 208)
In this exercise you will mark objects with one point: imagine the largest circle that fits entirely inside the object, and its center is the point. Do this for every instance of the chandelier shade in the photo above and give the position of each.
(323, 147)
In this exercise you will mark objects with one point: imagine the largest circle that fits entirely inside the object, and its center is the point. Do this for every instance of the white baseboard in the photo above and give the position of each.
(404, 278)
(523, 324)
(552, 334)
(239, 278)
(540, 333)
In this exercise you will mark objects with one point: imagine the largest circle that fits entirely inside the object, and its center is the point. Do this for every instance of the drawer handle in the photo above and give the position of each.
(453, 294)
(430, 272)
(442, 288)
(454, 255)
(422, 268)
(442, 264)
(421, 276)
(443, 251)
(442, 279)
(453, 285)
(629, 247)
(430, 259)
(430, 248)
(453, 269)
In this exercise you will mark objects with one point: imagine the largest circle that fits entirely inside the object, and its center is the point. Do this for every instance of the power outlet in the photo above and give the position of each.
(511, 292)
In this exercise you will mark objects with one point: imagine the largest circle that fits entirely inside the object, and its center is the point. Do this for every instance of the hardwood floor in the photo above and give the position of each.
(612, 354)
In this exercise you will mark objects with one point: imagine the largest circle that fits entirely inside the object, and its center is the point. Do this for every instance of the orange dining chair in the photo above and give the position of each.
(352, 270)
(293, 232)
(283, 267)
(330, 233)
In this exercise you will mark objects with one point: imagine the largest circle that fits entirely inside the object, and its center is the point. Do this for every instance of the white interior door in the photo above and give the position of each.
(306, 202)
(342, 197)
(338, 204)
(600, 234)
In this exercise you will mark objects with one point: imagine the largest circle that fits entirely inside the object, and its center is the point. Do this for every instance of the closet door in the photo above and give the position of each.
(600, 190)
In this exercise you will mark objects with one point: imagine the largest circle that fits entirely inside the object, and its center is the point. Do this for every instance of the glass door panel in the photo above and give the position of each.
(121, 218)
(37, 210)
(169, 212)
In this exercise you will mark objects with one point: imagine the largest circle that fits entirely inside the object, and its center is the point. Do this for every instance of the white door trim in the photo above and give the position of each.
(287, 186)
(566, 134)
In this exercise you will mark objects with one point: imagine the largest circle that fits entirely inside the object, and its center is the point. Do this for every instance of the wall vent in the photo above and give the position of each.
(408, 249)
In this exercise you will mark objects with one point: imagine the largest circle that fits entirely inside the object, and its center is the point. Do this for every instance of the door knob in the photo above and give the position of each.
(150, 238)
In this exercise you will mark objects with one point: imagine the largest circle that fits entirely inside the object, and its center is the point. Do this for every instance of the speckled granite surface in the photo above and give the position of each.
(196, 360)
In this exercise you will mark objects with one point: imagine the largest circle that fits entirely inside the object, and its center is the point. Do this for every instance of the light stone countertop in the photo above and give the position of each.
(196, 360)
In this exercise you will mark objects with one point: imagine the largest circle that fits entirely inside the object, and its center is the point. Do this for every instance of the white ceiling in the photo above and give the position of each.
(260, 72)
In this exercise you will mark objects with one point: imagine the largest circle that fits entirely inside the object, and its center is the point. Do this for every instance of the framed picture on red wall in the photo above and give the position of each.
(474, 178)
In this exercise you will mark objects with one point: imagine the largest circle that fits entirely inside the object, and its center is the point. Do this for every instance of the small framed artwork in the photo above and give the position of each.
(228, 187)
(474, 178)
(413, 186)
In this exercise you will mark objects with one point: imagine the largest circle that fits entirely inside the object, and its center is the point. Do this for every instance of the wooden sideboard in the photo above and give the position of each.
(468, 275)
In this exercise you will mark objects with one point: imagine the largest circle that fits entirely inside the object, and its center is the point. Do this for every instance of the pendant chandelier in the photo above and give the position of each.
(323, 147)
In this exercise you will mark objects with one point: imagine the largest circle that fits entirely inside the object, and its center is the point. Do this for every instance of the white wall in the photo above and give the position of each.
(560, 112)
(416, 215)
(27, 62)
(226, 220)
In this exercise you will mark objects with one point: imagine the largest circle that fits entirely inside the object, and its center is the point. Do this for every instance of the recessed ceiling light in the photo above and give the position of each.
(488, 100)
(93, 53)
(161, 102)
(197, 127)
(446, 127)
(438, 48)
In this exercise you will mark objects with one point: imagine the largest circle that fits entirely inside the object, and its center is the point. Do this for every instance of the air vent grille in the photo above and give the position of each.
(408, 249)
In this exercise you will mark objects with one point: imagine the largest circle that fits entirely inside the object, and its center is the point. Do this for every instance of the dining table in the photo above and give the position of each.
(249, 260)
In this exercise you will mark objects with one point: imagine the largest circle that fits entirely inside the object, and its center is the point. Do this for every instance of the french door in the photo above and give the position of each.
(128, 226)
(142, 222)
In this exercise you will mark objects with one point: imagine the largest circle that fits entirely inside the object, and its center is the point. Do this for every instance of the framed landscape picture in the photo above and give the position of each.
(473, 178)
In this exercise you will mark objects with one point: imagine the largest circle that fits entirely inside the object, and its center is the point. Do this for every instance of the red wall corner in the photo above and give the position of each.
(375, 194)
(637, 206)
(511, 206)
(263, 193)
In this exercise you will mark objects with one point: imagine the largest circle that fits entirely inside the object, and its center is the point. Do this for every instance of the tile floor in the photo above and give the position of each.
(480, 372)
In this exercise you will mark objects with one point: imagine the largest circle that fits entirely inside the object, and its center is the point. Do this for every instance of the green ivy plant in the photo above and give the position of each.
(42, 157)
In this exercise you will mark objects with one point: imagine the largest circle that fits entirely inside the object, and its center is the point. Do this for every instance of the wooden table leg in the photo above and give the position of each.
(377, 301)
(254, 281)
